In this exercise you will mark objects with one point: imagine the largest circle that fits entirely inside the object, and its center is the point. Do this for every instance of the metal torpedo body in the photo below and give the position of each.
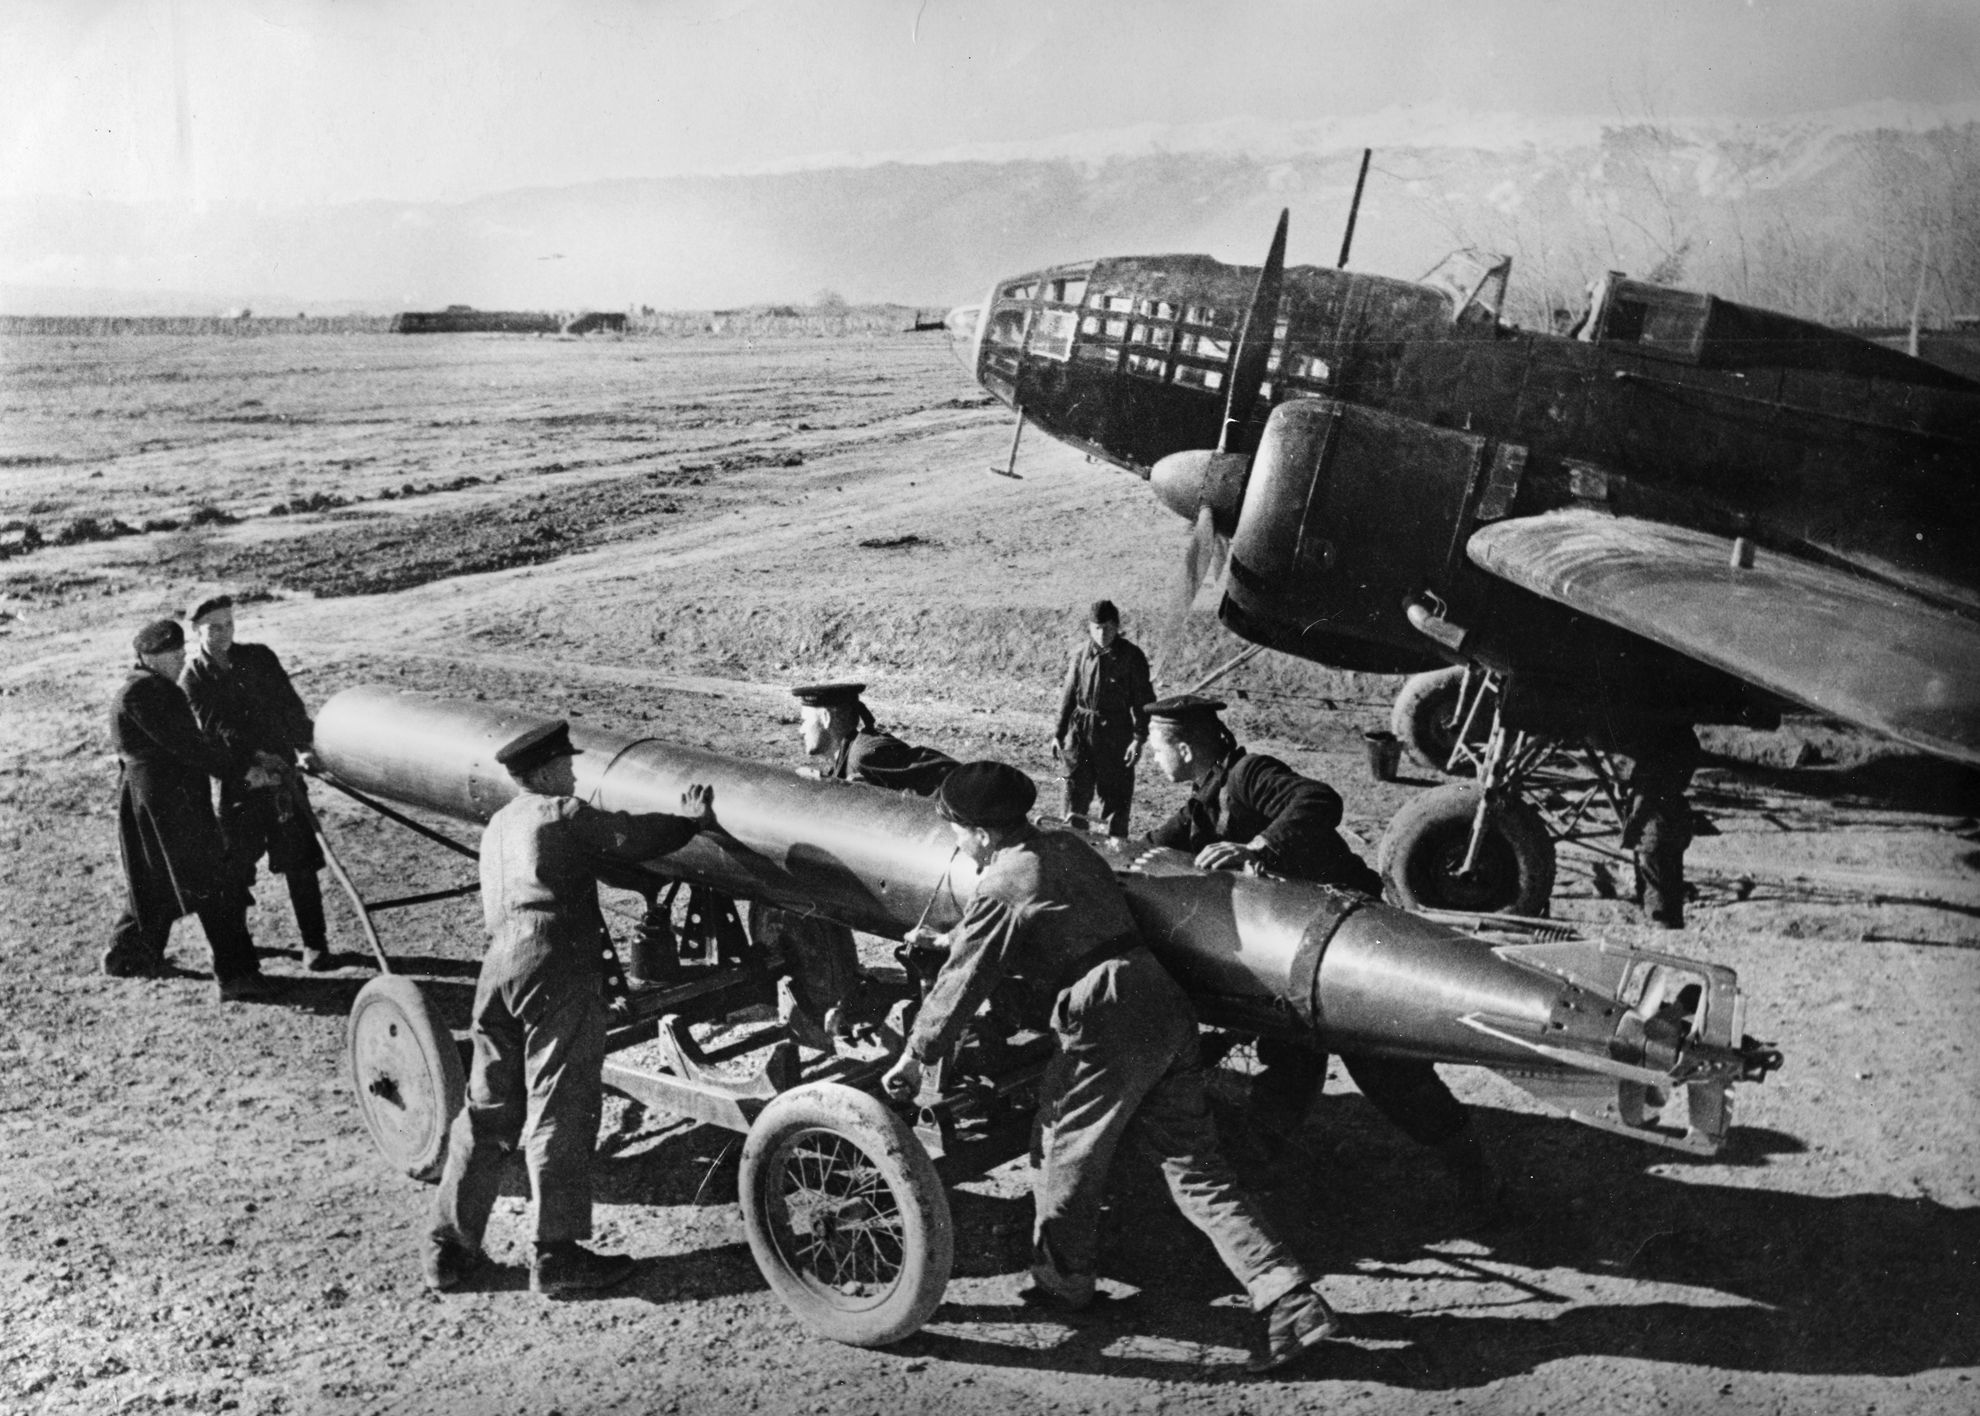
(1602, 1032)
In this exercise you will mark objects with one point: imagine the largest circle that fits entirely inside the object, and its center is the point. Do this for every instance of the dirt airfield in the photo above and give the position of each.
(662, 536)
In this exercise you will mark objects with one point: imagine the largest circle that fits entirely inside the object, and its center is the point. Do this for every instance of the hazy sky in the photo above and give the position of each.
(302, 101)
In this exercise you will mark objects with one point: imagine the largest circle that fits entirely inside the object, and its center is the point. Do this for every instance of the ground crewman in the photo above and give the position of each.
(539, 1015)
(1047, 911)
(244, 703)
(837, 727)
(1253, 811)
(175, 862)
(1103, 721)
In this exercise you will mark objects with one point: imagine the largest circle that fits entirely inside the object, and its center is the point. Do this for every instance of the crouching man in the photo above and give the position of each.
(1047, 910)
(539, 1016)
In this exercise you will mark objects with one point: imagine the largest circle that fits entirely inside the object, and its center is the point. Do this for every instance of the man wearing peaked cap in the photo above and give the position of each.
(1047, 910)
(539, 1015)
(1102, 724)
(826, 983)
(1250, 811)
(248, 709)
(175, 861)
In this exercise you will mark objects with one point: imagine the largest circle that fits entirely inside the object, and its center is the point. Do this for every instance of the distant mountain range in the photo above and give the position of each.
(1833, 215)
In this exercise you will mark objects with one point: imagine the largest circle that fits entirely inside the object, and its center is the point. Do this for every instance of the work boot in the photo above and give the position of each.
(318, 960)
(1297, 1320)
(569, 1267)
(245, 988)
(129, 963)
(449, 1263)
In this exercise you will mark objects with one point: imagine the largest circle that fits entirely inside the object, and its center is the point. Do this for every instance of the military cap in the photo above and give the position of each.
(828, 695)
(986, 794)
(1103, 612)
(158, 637)
(1185, 708)
(535, 746)
(206, 602)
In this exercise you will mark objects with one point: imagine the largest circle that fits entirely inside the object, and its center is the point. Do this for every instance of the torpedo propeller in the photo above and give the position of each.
(1206, 487)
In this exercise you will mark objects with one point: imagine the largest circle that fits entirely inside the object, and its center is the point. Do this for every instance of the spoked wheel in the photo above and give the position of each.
(1428, 715)
(845, 1215)
(406, 1072)
(1422, 855)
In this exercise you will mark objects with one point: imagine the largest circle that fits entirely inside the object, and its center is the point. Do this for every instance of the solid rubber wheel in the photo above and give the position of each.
(1425, 844)
(1426, 716)
(407, 1073)
(845, 1215)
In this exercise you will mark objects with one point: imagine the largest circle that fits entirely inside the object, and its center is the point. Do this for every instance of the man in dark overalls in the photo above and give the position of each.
(175, 862)
(1657, 823)
(1103, 720)
(1047, 911)
(244, 703)
(826, 981)
(1250, 811)
(539, 1015)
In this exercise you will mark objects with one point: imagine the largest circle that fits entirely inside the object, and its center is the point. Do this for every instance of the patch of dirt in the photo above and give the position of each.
(195, 1220)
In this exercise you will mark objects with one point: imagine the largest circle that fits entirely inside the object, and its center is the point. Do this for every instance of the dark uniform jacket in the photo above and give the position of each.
(248, 707)
(171, 845)
(1247, 796)
(1105, 696)
(540, 860)
(1046, 909)
(885, 761)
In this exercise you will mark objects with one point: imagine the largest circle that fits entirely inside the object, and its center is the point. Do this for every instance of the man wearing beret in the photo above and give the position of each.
(837, 726)
(1047, 910)
(539, 1015)
(244, 703)
(1253, 811)
(175, 862)
(1102, 720)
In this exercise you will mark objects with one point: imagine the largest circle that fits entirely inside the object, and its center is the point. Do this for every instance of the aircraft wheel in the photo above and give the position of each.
(407, 1073)
(1427, 714)
(845, 1215)
(1425, 844)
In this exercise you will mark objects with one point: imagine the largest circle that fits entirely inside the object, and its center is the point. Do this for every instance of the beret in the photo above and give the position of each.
(828, 695)
(986, 794)
(1103, 612)
(159, 636)
(535, 746)
(1185, 707)
(206, 603)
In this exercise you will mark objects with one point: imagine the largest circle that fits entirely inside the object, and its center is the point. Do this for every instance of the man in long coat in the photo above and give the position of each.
(175, 862)
(244, 703)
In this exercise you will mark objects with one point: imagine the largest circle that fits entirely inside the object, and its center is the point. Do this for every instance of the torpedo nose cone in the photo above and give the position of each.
(1189, 482)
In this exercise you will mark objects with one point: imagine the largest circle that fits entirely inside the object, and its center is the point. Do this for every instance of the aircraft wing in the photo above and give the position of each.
(1843, 645)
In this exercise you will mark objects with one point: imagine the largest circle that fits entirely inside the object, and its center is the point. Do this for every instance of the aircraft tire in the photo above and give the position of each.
(1426, 842)
(845, 1215)
(407, 1073)
(1425, 717)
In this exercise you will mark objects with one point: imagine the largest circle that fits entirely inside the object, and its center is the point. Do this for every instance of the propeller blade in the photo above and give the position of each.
(1205, 553)
(1254, 351)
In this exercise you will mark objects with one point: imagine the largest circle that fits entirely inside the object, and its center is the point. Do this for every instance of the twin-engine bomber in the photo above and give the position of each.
(1635, 1041)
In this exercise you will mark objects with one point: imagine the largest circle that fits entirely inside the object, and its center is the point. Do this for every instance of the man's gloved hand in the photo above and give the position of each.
(903, 1079)
(260, 778)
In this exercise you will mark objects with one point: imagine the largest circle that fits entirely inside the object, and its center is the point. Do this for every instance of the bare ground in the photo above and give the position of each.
(195, 1219)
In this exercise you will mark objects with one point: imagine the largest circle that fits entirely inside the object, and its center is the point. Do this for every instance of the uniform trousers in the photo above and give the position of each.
(1100, 767)
(539, 1051)
(1128, 1062)
(1407, 1091)
(1661, 836)
(262, 823)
